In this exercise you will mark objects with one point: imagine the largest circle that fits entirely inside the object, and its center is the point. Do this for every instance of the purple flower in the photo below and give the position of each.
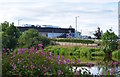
(11, 49)
(18, 61)
(23, 66)
(65, 61)
(40, 45)
(112, 71)
(36, 49)
(59, 72)
(46, 73)
(32, 66)
(50, 53)
(58, 62)
(14, 66)
(78, 62)
(3, 49)
(62, 57)
(115, 63)
(8, 49)
(45, 69)
(58, 57)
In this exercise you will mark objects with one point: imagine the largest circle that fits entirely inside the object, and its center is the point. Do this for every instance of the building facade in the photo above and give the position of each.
(51, 32)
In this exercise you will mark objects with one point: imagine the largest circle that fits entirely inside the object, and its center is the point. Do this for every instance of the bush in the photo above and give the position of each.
(116, 54)
(31, 38)
(85, 51)
(94, 50)
(73, 40)
(98, 53)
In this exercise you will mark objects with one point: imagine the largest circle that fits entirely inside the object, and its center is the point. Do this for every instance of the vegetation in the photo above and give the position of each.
(32, 62)
(10, 35)
(82, 51)
(116, 54)
(98, 33)
(74, 40)
(52, 60)
(98, 53)
(109, 43)
(31, 38)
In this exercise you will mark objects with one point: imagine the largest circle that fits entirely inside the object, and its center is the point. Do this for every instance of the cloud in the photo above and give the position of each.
(62, 13)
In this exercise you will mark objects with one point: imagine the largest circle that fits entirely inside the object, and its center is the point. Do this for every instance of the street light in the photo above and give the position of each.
(76, 25)
(19, 21)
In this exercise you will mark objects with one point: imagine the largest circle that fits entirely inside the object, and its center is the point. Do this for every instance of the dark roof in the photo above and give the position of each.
(48, 29)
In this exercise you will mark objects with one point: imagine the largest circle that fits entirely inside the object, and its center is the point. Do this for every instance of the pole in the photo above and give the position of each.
(19, 21)
(76, 25)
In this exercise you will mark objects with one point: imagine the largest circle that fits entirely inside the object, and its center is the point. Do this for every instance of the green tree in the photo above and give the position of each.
(31, 38)
(98, 33)
(109, 43)
(10, 35)
(4, 26)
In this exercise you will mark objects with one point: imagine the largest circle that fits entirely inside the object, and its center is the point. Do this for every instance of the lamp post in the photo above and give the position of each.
(76, 25)
(19, 21)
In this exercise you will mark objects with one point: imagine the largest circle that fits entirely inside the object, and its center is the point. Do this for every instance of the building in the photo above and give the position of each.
(51, 32)
(119, 19)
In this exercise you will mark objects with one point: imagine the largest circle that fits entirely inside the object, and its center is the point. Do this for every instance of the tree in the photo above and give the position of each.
(10, 35)
(4, 26)
(31, 38)
(109, 43)
(98, 33)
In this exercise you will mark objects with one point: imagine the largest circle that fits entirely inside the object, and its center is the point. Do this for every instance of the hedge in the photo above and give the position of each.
(73, 40)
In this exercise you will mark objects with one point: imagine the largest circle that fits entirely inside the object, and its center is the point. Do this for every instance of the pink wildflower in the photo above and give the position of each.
(14, 66)
(78, 62)
(32, 66)
(23, 66)
(59, 72)
(40, 45)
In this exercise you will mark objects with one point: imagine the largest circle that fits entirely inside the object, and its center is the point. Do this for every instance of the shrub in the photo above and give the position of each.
(84, 51)
(74, 40)
(31, 38)
(94, 50)
(98, 53)
(116, 54)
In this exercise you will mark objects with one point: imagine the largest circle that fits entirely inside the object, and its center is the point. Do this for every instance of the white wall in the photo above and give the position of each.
(54, 35)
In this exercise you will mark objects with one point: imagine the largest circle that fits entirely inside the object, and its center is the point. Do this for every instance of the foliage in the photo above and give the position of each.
(119, 45)
(4, 26)
(116, 54)
(98, 53)
(109, 41)
(73, 40)
(82, 51)
(98, 33)
(31, 62)
(31, 38)
(10, 35)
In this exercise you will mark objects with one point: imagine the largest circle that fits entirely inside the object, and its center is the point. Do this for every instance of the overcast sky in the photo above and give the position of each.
(62, 13)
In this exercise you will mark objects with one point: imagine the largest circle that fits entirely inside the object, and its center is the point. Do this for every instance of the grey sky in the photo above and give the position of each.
(102, 13)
